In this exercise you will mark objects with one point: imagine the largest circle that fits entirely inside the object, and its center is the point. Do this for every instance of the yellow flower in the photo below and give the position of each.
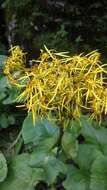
(14, 65)
(59, 84)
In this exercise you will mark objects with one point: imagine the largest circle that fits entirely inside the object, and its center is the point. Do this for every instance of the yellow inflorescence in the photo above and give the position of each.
(59, 84)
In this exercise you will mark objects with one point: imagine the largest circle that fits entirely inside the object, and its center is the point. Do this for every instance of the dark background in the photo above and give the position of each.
(66, 25)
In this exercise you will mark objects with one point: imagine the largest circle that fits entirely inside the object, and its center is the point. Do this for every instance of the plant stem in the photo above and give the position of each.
(16, 140)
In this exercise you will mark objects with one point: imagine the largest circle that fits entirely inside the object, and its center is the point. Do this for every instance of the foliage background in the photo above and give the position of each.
(61, 24)
(65, 25)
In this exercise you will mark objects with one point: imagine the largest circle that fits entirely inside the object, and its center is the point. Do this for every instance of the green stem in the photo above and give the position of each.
(16, 140)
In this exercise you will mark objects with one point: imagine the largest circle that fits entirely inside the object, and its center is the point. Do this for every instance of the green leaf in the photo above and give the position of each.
(4, 88)
(2, 95)
(13, 94)
(85, 156)
(3, 167)
(52, 167)
(49, 163)
(69, 145)
(92, 135)
(69, 139)
(44, 133)
(76, 179)
(99, 173)
(38, 157)
(21, 176)
(3, 83)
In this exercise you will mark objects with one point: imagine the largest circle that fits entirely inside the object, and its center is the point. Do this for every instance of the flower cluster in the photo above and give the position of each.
(15, 64)
(59, 84)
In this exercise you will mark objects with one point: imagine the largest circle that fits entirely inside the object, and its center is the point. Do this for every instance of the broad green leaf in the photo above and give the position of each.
(98, 179)
(3, 167)
(69, 140)
(76, 179)
(92, 135)
(15, 184)
(62, 156)
(49, 163)
(44, 133)
(52, 167)
(8, 93)
(69, 145)
(85, 156)
(38, 157)
(21, 176)
(13, 94)
(3, 83)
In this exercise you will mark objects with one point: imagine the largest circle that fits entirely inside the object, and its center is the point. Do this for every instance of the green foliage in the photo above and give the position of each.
(43, 134)
(73, 157)
(59, 24)
(76, 179)
(69, 139)
(21, 175)
(90, 159)
(57, 39)
(73, 154)
(6, 98)
(98, 170)
(3, 167)
(77, 156)
(2, 59)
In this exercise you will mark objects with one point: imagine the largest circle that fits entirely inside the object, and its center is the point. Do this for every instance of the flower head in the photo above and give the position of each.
(59, 84)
